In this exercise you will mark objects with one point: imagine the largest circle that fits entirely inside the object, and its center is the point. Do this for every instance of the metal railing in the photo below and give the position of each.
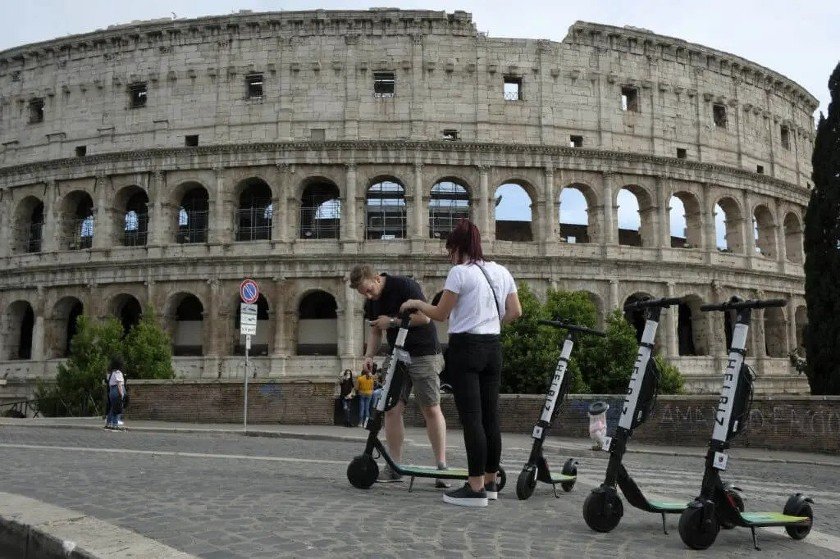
(383, 224)
(253, 224)
(29, 237)
(53, 406)
(136, 229)
(315, 225)
(192, 226)
(79, 233)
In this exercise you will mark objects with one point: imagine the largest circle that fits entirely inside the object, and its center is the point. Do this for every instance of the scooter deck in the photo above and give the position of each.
(772, 519)
(432, 471)
(560, 478)
(673, 507)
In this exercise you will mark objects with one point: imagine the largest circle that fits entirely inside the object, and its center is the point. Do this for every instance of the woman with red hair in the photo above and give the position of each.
(478, 298)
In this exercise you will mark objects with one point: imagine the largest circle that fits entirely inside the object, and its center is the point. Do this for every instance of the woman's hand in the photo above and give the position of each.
(410, 304)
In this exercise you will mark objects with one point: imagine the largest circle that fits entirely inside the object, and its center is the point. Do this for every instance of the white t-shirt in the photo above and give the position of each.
(475, 311)
(116, 377)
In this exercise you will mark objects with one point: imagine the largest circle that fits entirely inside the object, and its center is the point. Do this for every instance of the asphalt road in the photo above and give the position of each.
(223, 495)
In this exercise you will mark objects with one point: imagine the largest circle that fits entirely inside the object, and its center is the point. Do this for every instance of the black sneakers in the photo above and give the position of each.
(466, 497)
(492, 490)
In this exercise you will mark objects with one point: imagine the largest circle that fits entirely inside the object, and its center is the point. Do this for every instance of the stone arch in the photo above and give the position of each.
(801, 327)
(576, 202)
(686, 230)
(20, 329)
(764, 230)
(127, 309)
(320, 209)
(192, 213)
(635, 224)
(449, 202)
(185, 321)
(693, 334)
(793, 237)
(254, 211)
(29, 225)
(317, 324)
(63, 326)
(132, 216)
(728, 234)
(385, 209)
(77, 221)
(636, 317)
(775, 332)
(513, 211)
(259, 342)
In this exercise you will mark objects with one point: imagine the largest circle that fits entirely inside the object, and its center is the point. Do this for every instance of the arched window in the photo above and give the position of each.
(801, 327)
(513, 213)
(126, 308)
(259, 342)
(29, 224)
(793, 238)
(193, 216)
(255, 212)
(317, 325)
(449, 202)
(764, 231)
(385, 211)
(78, 221)
(320, 211)
(728, 226)
(775, 332)
(134, 217)
(685, 221)
(633, 203)
(21, 325)
(65, 315)
(574, 216)
(187, 336)
(636, 317)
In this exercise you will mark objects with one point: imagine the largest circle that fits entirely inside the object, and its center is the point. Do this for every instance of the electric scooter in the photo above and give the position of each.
(363, 469)
(536, 469)
(603, 508)
(701, 521)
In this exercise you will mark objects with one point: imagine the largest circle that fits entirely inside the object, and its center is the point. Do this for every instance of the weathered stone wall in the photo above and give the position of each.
(317, 70)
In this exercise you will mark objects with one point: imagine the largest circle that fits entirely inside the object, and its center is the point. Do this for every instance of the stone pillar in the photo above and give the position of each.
(220, 230)
(7, 236)
(747, 229)
(349, 225)
(483, 213)
(280, 349)
(280, 218)
(210, 342)
(671, 324)
(104, 215)
(551, 210)
(614, 303)
(609, 232)
(664, 214)
(158, 203)
(52, 219)
(757, 327)
(350, 348)
(791, 323)
(707, 222)
(781, 245)
(420, 226)
(38, 329)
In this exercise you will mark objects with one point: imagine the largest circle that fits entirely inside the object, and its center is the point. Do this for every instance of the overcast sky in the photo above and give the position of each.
(799, 39)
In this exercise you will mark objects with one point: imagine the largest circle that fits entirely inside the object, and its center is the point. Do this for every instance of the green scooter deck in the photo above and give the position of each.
(432, 471)
(668, 506)
(561, 478)
(773, 519)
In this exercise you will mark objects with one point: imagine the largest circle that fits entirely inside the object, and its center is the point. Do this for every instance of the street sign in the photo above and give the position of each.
(247, 319)
(248, 291)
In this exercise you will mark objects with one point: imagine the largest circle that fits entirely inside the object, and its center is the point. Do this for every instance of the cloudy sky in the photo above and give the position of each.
(797, 38)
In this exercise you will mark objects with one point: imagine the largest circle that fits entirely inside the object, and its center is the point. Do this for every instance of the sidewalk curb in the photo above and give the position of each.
(361, 439)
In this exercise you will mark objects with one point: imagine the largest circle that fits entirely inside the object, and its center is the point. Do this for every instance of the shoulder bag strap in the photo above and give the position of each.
(495, 300)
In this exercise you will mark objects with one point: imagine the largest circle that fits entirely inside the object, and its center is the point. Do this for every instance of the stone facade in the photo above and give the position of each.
(157, 164)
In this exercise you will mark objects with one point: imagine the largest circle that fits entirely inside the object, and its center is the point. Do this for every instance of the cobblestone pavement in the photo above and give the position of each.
(224, 495)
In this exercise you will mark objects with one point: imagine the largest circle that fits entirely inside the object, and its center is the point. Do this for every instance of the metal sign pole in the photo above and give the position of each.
(245, 411)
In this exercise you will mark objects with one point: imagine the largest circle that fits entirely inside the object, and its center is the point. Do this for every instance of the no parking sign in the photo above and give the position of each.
(248, 291)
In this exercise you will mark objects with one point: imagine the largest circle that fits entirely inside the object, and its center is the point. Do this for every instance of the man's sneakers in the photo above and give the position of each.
(440, 483)
(387, 475)
(466, 497)
(492, 490)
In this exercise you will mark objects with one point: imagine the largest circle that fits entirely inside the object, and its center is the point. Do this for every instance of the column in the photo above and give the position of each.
(671, 324)
(157, 205)
(609, 233)
(663, 215)
(220, 232)
(551, 215)
(280, 349)
(6, 230)
(707, 212)
(38, 330)
(52, 217)
(483, 213)
(280, 216)
(210, 317)
(419, 229)
(781, 246)
(614, 303)
(350, 323)
(791, 323)
(747, 229)
(348, 221)
(104, 215)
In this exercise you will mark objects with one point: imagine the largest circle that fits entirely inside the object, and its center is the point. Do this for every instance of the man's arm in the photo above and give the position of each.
(374, 339)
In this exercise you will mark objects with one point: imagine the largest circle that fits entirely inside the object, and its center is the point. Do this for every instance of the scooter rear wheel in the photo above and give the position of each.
(501, 478)
(526, 482)
(796, 506)
(362, 471)
(569, 469)
(692, 531)
(602, 510)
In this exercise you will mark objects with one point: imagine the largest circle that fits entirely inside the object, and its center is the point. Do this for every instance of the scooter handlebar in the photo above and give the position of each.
(571, 327)
(751, 304)
(405, 317)
(649, 303)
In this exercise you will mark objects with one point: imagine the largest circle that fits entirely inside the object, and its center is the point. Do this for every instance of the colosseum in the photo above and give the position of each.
(157, 164)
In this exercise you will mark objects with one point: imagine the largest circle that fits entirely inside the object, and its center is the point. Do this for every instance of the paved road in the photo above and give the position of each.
(223, 495)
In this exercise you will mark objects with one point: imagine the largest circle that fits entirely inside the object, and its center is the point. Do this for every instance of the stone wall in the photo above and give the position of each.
(810, 424)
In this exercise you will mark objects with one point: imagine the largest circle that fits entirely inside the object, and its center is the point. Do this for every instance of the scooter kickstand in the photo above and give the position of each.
(664, 527)
(755, 542)
(411, 484)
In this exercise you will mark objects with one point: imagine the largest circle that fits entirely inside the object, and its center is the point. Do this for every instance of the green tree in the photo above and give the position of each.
(607, 363)
(822, 252)
(79, 384)
(670, 379)
(148, 350)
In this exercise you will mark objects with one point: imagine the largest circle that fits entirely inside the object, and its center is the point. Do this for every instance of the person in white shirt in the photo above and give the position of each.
(478, 297)
(116, 393)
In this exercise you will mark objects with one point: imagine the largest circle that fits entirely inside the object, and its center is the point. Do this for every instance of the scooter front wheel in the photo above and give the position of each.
(362, 471)
(798, 506)
(501, 478)
(602, 510)
(526, 483)
(693, 532)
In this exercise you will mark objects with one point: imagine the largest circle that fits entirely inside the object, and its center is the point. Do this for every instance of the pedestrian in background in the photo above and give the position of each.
(116, 393)
(364, 390)
(346, 392)
(478, 297)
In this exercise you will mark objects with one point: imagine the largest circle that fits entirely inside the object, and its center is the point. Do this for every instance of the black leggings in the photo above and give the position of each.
(475, 365)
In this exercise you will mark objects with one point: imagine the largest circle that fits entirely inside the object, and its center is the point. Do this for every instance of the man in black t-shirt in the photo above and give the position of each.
(384, 294)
